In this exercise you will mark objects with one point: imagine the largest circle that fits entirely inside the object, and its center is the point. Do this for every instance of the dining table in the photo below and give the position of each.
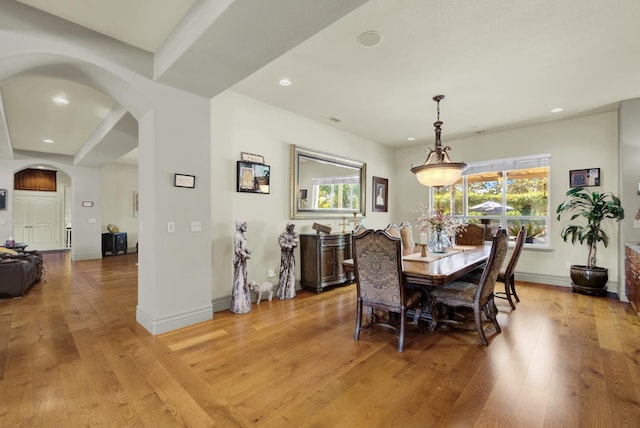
(434, 269)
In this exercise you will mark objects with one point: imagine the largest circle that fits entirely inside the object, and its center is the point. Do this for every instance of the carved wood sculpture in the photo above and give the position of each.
(240, 296)
(288, 241)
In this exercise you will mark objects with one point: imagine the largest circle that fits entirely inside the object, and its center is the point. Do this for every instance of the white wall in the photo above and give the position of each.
(588, 142)
(118, 184)
(242, 124)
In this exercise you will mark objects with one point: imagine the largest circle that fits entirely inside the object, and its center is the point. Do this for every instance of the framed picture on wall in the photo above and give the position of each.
(3, 199)
(380, 194)
(253, 177)
(584, 177)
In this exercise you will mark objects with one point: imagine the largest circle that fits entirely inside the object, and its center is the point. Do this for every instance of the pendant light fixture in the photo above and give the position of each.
(438, 170)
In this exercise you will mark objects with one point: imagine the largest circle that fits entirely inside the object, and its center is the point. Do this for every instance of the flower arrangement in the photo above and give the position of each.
(437, 221)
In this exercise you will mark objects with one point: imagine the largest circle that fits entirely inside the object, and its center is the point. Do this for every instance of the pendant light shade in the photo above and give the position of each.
(438, 170)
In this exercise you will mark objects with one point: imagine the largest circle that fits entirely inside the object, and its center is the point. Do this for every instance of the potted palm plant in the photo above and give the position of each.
(594, 208)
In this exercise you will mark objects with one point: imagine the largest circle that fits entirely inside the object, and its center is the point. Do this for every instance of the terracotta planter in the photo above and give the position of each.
(589, 280)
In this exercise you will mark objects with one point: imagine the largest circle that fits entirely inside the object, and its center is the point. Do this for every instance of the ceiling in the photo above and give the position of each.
(501, 64)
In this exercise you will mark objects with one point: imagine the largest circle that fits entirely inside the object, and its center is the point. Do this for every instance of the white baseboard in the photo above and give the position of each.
(173, 322)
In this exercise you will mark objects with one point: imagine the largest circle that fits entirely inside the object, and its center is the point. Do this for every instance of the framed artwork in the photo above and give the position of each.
(184, 180)
(584, 177)
(253, 177)
(250, 157)
(380, 194)
(3, 199)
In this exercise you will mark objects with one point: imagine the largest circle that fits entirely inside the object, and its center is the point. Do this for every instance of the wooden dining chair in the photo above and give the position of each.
(473, 234)
(507, 275)
(478, 297)
(377, 258)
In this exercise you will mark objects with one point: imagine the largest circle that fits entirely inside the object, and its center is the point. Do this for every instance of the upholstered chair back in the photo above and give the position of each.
(494, 264)
(407, 235)
(377, 258)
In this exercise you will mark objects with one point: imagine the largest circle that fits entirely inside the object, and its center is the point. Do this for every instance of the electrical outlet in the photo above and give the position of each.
(272, 272)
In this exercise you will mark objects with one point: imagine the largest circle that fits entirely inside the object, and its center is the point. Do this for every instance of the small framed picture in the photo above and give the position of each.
(380, 194)
(584, 177)
(253, 177)
(250, 157)
(184, 180)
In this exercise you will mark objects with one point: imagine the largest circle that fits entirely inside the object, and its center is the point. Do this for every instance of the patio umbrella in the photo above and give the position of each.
(489, 207)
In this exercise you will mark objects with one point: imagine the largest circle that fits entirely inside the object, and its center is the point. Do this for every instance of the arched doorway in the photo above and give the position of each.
(42, 212)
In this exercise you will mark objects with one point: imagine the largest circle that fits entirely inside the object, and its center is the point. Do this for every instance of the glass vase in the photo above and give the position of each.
(439, 242)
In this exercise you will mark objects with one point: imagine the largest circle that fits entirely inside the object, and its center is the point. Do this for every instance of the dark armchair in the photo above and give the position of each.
(478, 297)
(377, 258)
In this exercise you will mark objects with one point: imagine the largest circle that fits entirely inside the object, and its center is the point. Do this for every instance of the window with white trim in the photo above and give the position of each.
(505, 193)
(332, 193)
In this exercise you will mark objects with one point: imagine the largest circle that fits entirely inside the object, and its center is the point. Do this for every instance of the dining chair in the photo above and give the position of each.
(472, 235)
(506, 275)
(478, 297)
(407, 235)
(377, 258)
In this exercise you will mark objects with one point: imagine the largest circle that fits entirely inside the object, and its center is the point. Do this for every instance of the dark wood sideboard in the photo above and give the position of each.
(321, 257)
(632, 274)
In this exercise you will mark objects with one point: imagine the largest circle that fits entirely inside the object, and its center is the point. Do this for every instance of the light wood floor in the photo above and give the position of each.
(71, 355)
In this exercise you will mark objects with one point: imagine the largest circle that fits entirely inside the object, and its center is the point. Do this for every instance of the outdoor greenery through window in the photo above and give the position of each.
(336, 193)
(506, 193)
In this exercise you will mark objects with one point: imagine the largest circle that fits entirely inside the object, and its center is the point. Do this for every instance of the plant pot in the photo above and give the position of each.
(587, 280)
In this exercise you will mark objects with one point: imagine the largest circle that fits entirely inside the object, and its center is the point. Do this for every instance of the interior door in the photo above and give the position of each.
(36, 221)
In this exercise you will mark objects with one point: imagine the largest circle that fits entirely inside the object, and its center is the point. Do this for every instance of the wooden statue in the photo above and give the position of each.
(241, 296)
(288, 241)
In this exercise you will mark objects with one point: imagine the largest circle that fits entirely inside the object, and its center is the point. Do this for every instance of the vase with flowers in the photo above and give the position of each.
(440, 227)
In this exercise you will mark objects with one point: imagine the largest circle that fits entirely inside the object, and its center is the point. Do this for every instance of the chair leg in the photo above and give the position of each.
(403, 317)
(494, 314)
(513, 287)
(356, 334)
(478, 320)
(507, 292)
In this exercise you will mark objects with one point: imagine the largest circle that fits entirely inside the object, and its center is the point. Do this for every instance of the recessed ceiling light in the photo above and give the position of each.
(48, 141)
(61, 101)
(370, 38)
(284, 82)
(411, 139)
(557, 110)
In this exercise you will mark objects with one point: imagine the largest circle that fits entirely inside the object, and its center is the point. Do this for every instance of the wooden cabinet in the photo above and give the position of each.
(321, 260)
(632, 275)
(114, 243)
(41, 180)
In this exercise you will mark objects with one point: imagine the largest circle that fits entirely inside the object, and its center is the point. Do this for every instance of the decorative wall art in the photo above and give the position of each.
(380, 194)
(253, 177)
(3, 199)
(584, 177)
(184, 180)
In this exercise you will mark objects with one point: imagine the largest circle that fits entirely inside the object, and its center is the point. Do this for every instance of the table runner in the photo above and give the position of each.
(417, 257)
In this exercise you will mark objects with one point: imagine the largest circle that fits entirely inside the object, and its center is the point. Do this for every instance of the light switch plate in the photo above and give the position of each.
(171, 227)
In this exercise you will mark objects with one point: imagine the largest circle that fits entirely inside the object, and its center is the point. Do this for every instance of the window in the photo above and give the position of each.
(333, 193)
(506, 193)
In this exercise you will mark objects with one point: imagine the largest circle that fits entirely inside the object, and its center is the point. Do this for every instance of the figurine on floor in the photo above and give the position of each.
(241, 296)
(260, 289)
(288, 241)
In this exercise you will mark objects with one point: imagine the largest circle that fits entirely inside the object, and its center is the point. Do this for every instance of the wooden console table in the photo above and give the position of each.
(321, 258)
